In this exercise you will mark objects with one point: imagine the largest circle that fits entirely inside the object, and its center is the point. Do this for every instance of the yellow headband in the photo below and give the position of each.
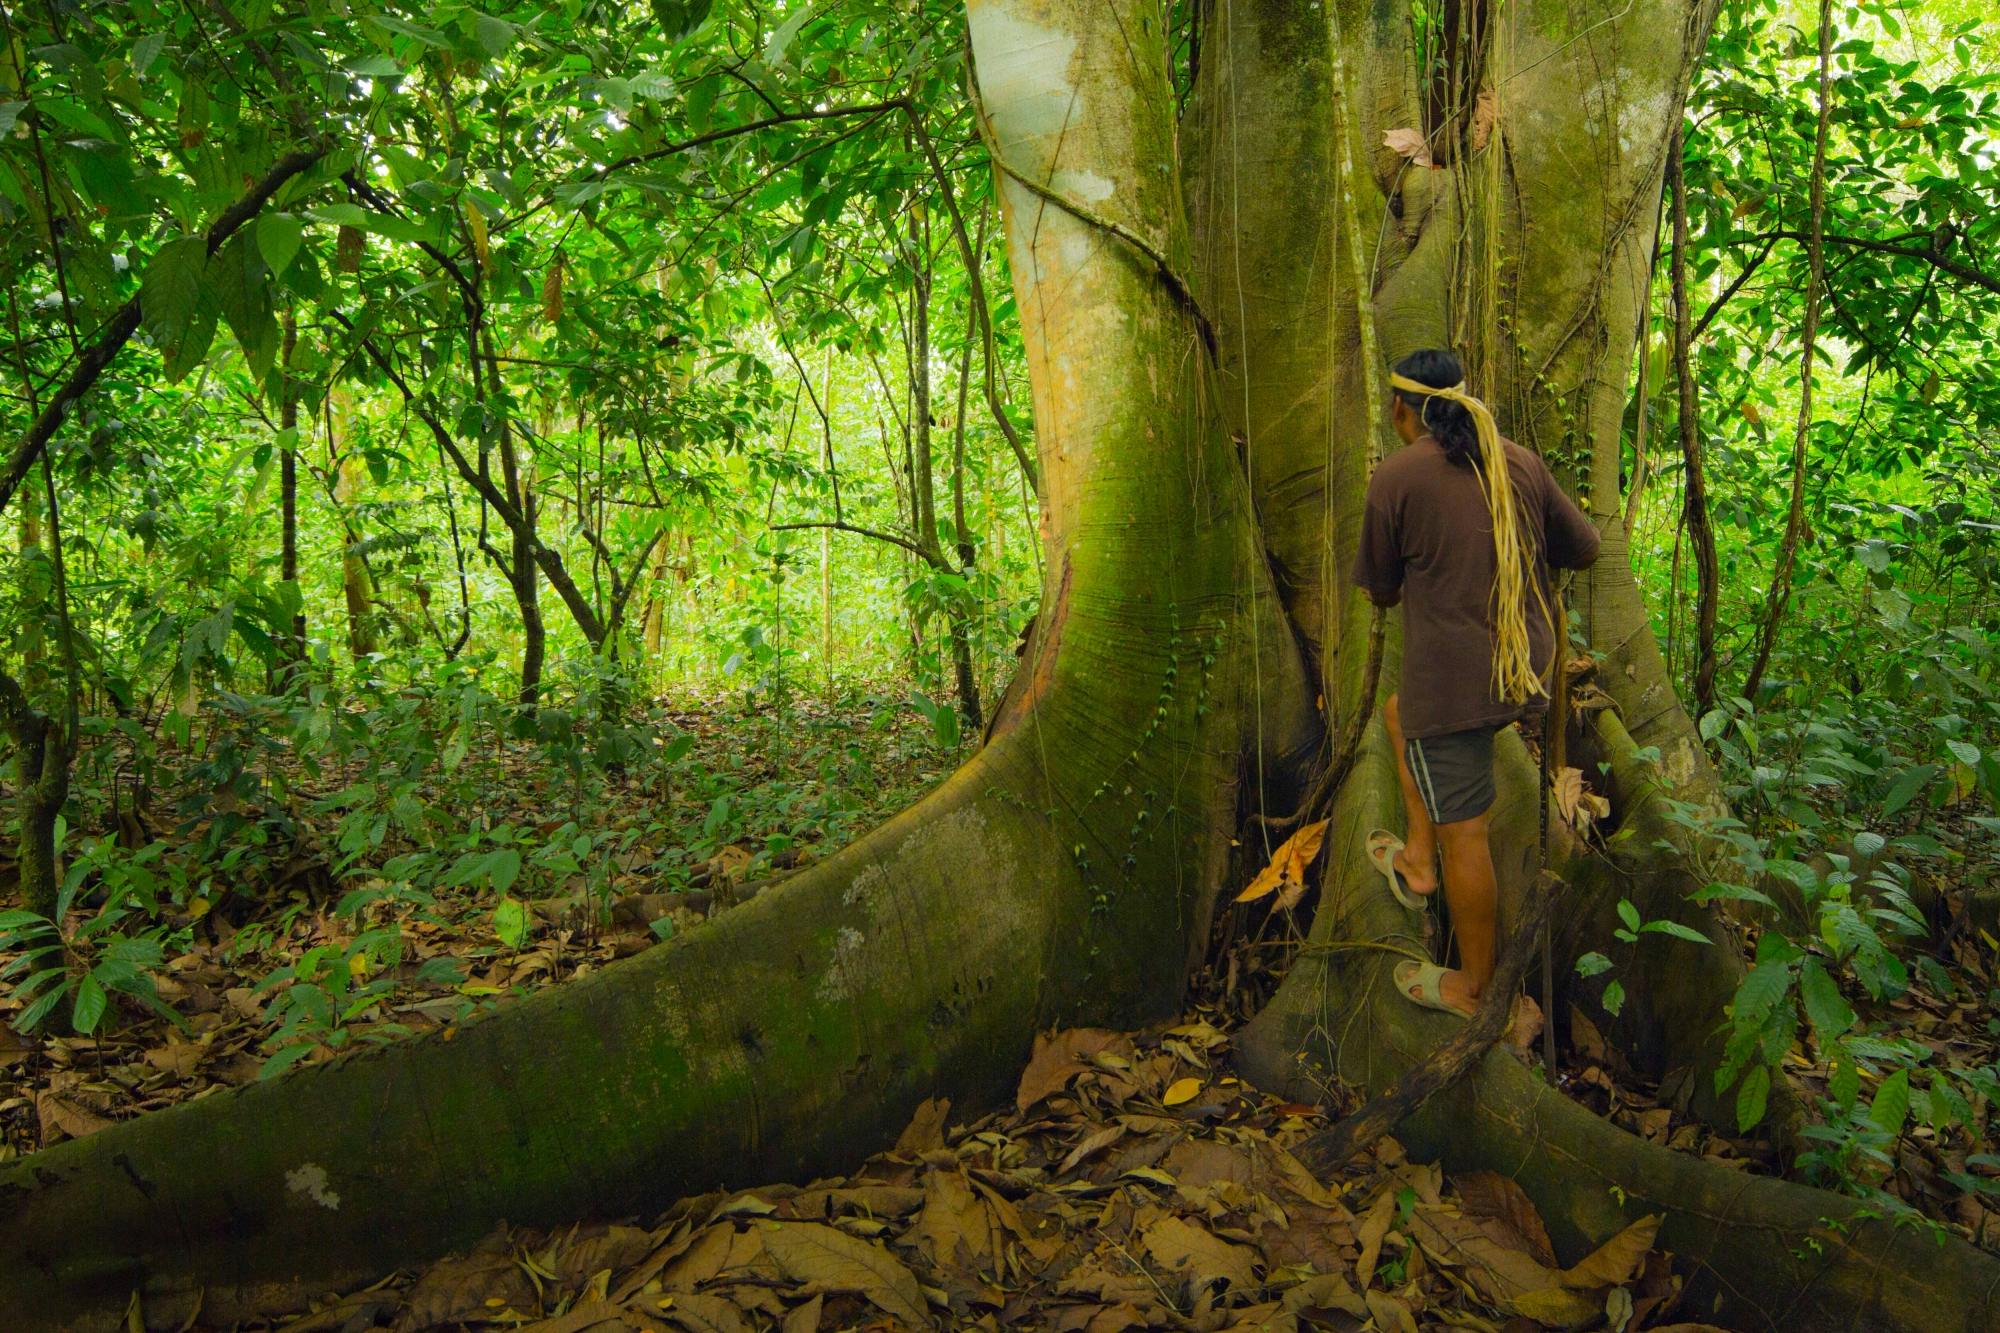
(1514, 674)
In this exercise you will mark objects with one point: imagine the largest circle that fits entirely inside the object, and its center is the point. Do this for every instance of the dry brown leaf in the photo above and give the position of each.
(590, 1317)
(804, 1318)
(477, 1285)
(1091, 1145)
(1576, 802)
(591, 1250)
(62, 1117)
(179, 1058)
(1507, 1276)
(1059, 1057)
(1373, 1230)
(1390, 1312)
(1198, 1254)
(1485, 115)
(926, 1128)
(1614, 1262)
(1490, 1195)
(955, 1229)
(1287, 870)
(706, 1312)
(1269, 1317)
(1326, 1291)
(826, 1260)
(1410, 143)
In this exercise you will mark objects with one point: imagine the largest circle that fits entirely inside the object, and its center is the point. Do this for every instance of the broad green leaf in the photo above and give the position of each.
(171, 291)
(1907, 786)
(1751, 1097)
(1614, 998)
(1891, 1106)
(493, 35)
(1965, 753)
(146, 50)
(1591, 964)
(279, 236)
(1830, 1013)
(1675, 929)
(511, 922)
(90, 1003)
(1845, 1085)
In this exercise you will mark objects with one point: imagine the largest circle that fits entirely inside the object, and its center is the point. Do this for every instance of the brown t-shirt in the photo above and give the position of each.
(1427, 540)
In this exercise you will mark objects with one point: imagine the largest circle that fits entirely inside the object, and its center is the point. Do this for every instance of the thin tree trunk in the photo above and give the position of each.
(355, 585)
(1788, 547)
(293, 650)
(1694, 492)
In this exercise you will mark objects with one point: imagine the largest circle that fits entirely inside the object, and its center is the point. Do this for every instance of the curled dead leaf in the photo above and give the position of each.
(1287, 870)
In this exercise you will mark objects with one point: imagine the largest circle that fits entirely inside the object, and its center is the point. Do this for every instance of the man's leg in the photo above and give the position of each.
(1470, 890)
(1418, 859)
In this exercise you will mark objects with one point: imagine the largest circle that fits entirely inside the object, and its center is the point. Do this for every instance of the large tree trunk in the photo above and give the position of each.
(1528, 255)
(795, 1032)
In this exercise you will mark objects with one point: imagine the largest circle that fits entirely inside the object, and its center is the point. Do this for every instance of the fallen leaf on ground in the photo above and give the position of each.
(826, 1260)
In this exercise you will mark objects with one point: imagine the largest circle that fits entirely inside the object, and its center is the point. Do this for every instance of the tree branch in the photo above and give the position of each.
(125, 323)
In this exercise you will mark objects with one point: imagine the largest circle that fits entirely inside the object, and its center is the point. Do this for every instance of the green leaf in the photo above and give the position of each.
(1760, 992)
(1830, 1013)
(511, 921)
(1751, 1097)
(146, 50)
(494, 35)
(1675, 929)
(279, 236)
(1713, 723)
(1614, 998)
(1845, 1085)
(678, 18)
(1735, 892)
(1891, 1106)
(1628, 914)
(171, 291)
(90, 1002)
(1964, 753)
(1591, 964)
(774, 51)
(1907, 786)
(503, 867)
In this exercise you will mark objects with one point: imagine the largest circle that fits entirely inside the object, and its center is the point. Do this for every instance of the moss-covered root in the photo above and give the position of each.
(788, 1036)
(1757, 1252)
(1673, 1025)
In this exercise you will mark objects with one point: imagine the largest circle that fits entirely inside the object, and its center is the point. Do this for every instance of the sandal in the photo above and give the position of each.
(1382, 848)
(1423, 984)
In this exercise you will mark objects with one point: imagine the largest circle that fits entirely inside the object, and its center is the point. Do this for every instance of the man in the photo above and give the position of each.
(1462, 527)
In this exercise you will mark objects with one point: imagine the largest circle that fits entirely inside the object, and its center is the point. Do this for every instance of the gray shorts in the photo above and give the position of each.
(1454, 773)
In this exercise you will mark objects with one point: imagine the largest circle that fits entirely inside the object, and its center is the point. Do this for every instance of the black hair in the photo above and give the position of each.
(1448, 422)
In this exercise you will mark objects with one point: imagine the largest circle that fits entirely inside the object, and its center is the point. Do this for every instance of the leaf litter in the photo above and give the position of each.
(1101, 1201)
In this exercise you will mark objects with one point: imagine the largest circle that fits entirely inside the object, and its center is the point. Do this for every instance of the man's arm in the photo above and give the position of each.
(1378, 561)
(1572, 538)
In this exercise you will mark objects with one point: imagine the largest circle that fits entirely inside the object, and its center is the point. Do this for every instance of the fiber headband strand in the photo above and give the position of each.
(1514, 676)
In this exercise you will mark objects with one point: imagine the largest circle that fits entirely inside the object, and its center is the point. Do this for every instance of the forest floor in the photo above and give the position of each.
(772, 793)
(1134, 1184)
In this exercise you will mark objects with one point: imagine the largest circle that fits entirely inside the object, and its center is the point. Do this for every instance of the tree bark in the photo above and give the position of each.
(1694, 494)
(293, 650)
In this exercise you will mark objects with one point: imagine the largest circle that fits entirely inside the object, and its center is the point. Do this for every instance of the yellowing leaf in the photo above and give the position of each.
(1287, 870)
(1183, 1090)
